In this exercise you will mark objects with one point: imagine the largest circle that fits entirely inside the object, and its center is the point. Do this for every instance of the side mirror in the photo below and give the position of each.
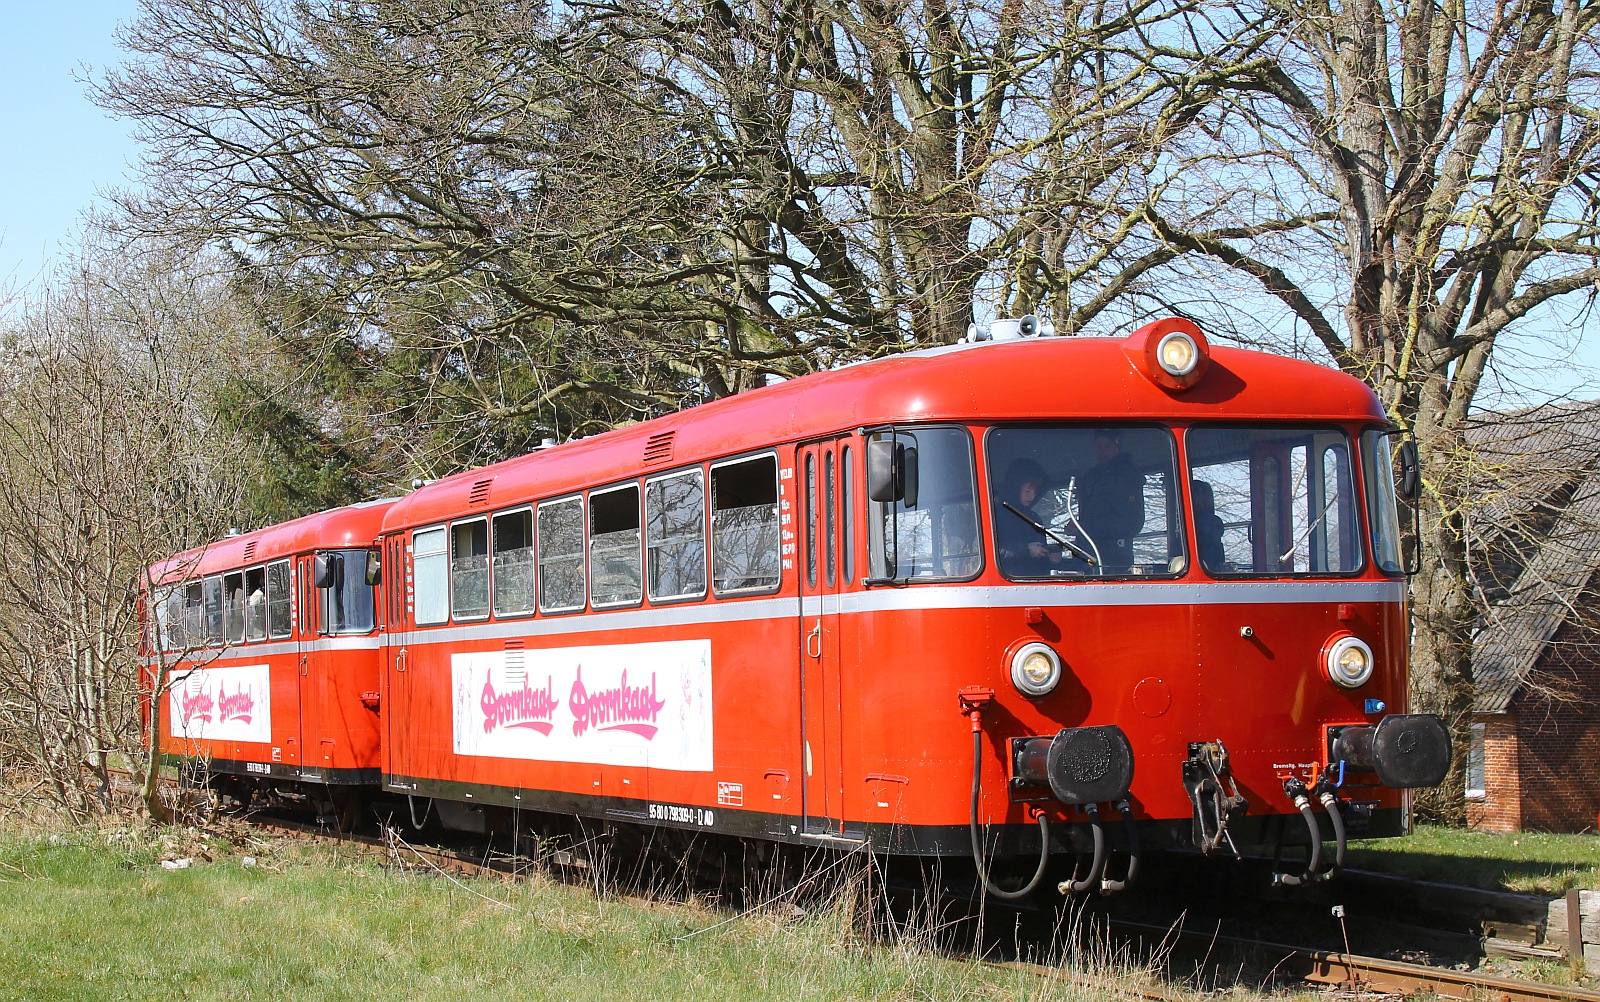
(321, 572)
(374, 567)
(885, 470)
(908, 475)
(1410, 470)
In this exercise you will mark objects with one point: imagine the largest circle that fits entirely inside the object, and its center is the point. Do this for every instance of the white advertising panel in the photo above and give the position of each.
(620, 704)
(221, 704)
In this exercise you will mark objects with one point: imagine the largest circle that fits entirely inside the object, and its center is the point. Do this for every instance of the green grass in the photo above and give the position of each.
(1526, 862)
(89, 916)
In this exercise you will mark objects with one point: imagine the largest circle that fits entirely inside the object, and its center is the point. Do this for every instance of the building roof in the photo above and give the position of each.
(1536, 530)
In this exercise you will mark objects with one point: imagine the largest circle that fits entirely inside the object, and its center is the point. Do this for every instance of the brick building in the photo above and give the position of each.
(1536, 658)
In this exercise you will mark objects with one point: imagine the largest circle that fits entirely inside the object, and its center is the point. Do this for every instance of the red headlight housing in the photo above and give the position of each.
(1171, 353)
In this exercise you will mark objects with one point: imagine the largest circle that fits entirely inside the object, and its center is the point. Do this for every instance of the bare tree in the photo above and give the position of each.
(507, 224)
(427, 193)
(107, 463)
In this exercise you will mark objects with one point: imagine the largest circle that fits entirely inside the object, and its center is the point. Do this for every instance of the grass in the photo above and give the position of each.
(1526, 862)
(93, 916)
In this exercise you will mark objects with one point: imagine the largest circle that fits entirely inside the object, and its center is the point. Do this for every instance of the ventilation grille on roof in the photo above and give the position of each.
(480, 492)
(250, 550)
(659, 448)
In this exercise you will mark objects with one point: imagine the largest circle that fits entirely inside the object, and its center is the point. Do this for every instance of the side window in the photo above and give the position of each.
(847, 515)
(561, 578)
(278, 600)
(615, 576)
(233, 603)
(932, 532)
(469, 569)
(809, 517)
(194, 618)
(167, 605)
(255, 603)
(744, 526)
(348, 605)
(212, 589)
(513, 563)
(830, 543)
(431, 575)
(675, 510)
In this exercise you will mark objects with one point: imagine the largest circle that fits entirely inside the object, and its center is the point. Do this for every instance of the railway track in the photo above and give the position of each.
(1357, 976)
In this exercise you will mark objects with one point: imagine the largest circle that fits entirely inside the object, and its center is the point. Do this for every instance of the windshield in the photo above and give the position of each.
(1084, 500)
(1273, 501)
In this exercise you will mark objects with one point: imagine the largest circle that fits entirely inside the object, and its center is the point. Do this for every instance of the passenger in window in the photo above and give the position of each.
(1207, 527)
(1111, 502)
(1022, 549)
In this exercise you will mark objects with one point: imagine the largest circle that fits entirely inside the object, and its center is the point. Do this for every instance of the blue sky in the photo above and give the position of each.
(62, 153)
(60, 149)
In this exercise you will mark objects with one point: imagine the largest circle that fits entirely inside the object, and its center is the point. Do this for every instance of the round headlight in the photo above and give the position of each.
(1035, 670)
(1178, 353)
(1349, 662)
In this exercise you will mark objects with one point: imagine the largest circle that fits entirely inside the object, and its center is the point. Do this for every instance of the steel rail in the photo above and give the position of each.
(1371, 974)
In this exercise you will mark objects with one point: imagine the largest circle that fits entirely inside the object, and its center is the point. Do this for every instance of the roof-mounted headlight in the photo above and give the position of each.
(1349, 661)
(1035, 670)
(1178, 354)
(1171, 353)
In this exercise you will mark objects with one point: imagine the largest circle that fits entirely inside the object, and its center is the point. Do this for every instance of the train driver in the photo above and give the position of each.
(1111, 502)
(1023, 550)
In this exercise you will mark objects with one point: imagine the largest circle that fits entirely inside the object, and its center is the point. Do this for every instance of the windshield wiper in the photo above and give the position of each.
(1050, 533)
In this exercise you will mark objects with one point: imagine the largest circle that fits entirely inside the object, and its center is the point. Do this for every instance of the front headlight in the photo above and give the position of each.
(1349, 662)
(1178, 353)
(1035, 670)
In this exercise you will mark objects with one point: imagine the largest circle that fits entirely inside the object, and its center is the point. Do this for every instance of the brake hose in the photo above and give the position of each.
(977, 841)
(1330, 803)
(1112, 886)
(1097, 865)
(1297, 791)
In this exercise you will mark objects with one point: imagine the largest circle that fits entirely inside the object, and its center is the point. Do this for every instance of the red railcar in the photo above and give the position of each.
(1070, 588)
(270, 646)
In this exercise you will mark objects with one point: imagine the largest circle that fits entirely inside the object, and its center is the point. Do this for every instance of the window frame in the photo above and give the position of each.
(326, 627)
(533, 546)
(1379, 491)
(456, 616)
(443, 528)
(704, 538)
(777, 524)
(582, 553)
(1351, 449)
(588, 540)
(1178, 502)
(213, 630)
(230, 637)
(288, 598)
(262, 615)
(874, 527)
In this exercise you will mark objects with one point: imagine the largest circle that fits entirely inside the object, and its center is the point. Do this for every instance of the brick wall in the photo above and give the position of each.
(1557, 724)
(1500, 808)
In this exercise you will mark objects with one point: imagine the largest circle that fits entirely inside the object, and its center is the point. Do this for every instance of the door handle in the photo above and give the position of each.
(303, 669)
(400, 660)
(814, 641)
